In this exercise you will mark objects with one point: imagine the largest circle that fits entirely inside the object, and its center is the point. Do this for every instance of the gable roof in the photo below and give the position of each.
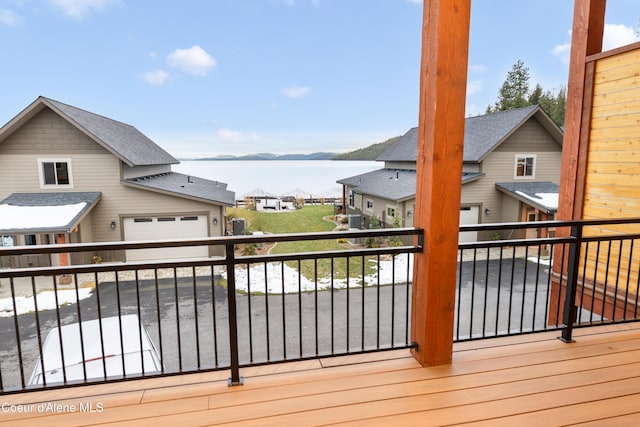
(482, 134)
(187, 186)
(124, 141)
(33, 213)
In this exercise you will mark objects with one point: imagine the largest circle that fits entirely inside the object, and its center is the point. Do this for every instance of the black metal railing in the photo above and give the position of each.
(518, 285)
(232, 311)
(115, 321)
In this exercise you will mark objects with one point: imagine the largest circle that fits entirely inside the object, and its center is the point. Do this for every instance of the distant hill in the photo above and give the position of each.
(269, 156)
(370, 152)
(367, 153)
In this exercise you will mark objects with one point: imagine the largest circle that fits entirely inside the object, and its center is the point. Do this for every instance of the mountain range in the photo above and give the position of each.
(370, 152)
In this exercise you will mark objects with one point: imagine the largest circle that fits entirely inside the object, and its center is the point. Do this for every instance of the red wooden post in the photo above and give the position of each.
(586, 39)
(443, 80)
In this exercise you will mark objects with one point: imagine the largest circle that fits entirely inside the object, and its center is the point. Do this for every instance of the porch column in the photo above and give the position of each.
(586, 39)
(443, 80)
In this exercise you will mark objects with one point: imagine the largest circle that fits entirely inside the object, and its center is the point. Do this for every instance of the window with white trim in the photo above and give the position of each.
(352, 198)
(55, 173)
(525, 166)
(369, 204)
(391, 211)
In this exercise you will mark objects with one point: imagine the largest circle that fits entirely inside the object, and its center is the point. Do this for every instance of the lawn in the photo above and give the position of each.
(307, 219)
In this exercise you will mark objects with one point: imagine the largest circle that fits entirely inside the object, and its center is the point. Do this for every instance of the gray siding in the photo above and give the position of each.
(138, 171)
(92, 169)
(499, 166)
(48, 134)
(531, 137)
(379, 210)
(471, 167)
(400, 165)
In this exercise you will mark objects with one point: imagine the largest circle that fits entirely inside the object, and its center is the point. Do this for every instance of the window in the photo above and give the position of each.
(352, 198)
(6, 241)
(142, 219)
(391, 212)
(369, 204)
(30, 240)
(525, 166)
(55, 172)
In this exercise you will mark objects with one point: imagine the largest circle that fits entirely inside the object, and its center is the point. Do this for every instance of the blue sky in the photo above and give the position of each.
(208, 77)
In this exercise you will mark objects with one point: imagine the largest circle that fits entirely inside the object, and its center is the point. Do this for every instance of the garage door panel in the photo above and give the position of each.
(468, 215)
(166, 227)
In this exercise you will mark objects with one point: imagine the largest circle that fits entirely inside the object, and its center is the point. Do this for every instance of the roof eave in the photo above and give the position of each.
(177, 194)
(527, 201)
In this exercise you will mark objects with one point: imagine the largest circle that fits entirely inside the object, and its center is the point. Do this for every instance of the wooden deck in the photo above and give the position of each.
(526, 380)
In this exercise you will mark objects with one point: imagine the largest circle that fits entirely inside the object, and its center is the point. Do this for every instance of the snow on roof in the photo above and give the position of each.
(548, 200)
(38, 217)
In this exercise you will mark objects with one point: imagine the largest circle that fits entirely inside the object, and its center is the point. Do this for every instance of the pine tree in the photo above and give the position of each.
(515, 89)
(514, 93)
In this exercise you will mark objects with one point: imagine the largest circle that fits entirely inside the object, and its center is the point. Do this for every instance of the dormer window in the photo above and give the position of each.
(55, 173)
(525, 166)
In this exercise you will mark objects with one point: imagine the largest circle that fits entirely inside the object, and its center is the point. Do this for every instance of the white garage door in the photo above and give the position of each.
(165, 227)
(469, 215)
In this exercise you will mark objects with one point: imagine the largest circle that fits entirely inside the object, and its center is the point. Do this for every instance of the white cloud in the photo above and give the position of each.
(296, 91)
(80, 8)
(194, 60)
(616, 35)
(563, 52)
(229, 135)
(478, 68)
(473, 87)
(8, 17)
(157, 77)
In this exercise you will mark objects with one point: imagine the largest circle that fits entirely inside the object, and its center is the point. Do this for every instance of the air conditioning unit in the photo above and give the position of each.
(355, 221)
(238, 226)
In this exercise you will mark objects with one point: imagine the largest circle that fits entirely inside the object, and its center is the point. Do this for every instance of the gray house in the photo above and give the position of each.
(69, 175)
(511, 171)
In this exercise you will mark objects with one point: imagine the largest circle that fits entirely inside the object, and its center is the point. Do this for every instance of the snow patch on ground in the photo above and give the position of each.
(281, 278)
(46, 301)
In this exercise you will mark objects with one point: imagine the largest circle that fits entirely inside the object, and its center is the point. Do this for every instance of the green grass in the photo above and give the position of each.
(307, 219)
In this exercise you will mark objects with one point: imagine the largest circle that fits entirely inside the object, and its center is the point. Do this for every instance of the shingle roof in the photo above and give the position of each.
(39, 200)
(186, 186)
(125, 141)
(482, 134)
(404, 149)
(387, 183)
(543, 195)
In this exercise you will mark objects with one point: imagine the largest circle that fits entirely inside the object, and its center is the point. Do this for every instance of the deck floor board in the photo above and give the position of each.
(524, 380)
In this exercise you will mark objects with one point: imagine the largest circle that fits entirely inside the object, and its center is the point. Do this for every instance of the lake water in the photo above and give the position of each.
(317, 177)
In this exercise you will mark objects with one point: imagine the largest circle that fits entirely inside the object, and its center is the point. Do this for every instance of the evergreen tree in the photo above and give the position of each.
(514, 93)
(515, 89)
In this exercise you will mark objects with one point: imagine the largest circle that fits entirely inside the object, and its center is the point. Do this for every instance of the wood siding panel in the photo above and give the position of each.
(612, 187)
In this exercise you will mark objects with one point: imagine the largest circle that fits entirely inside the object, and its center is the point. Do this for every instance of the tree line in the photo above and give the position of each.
(515, 93)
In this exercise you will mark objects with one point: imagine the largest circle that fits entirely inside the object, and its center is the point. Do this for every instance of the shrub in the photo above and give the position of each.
(250, 249)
